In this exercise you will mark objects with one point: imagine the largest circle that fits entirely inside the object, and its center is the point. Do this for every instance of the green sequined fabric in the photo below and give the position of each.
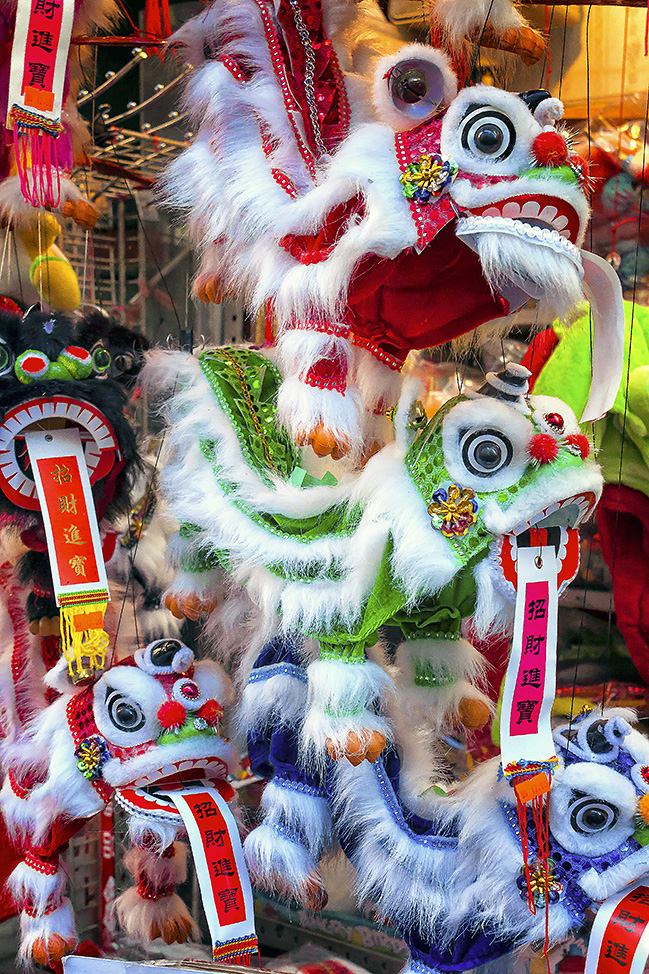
(246, 385)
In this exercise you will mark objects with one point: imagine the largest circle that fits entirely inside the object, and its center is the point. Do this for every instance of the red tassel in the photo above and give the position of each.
(35, 154)
(541, 818)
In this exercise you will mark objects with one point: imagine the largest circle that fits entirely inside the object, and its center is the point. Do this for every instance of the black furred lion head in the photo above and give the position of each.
(57, 372)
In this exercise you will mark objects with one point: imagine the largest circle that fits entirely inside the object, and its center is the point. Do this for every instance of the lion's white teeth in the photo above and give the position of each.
(531, 208)
(548, 214)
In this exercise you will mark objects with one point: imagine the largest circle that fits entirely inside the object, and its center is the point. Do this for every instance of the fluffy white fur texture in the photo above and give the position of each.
(404, 876)
(39, 889)
(488, 861)
(494, 611)
(248, 217)
(59, 923)
(302, 407)
(299, 349)
(203, 584)
(307, 814)
(158, 870)
(148, 557)
(379, 386)
(421, 560)
(538, 271)
(442, 83)
(64, 792)
(343, 697)
(272, 857)
(137, 916)
(26, 694)
(462, 17)
(438, 705)
(599, 886)
(142, 828)
(279, 699)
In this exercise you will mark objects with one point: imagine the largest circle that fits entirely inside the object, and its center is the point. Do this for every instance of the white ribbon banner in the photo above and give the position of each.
(221, 870)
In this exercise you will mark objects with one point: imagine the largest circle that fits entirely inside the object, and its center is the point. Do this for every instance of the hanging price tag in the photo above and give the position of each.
(530, 681)
(619, 939)
(222, 873)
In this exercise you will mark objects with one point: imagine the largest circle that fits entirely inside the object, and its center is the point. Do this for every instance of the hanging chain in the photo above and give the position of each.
(309, 74)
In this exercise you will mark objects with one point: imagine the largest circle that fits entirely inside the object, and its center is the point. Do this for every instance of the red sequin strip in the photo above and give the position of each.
(232, 67)
(285, 183)
(277, 61)
(45, 866)
(20, 650)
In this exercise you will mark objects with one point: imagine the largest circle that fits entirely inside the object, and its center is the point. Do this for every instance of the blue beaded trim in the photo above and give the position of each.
(287, 832)
(429, 841)
(300, 786)
(418, 967)
(278, 669)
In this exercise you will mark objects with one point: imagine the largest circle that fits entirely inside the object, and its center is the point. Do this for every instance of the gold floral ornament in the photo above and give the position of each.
(454, 511)
(91, 754)
(427, 178)
(543, 883)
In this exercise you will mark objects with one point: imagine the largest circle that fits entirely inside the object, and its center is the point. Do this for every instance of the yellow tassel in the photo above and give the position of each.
(84, 640)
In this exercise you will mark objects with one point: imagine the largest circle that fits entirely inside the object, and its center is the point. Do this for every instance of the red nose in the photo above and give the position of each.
(550, 149)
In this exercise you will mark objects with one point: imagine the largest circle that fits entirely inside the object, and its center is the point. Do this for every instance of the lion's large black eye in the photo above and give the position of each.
(485, 452)
(125, 713)
(591, 815)
(488, 132)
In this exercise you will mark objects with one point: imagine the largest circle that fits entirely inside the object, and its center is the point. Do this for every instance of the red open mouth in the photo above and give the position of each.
(59, 412)
(178, 774)
(556, 526)
(146, 793)
(538, 211)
